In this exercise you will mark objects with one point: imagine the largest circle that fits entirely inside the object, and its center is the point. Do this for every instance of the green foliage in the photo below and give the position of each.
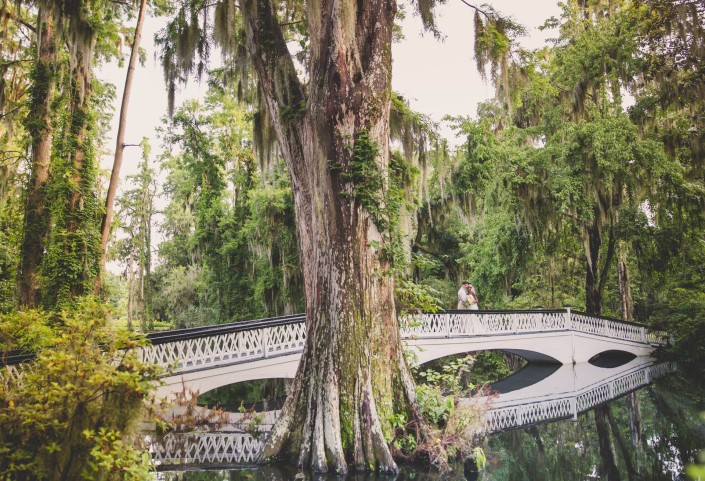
(231, 250)
(74, 412)
(697, 471)
(70, 265)
(10, 220)
(413, 296)
(479, 457)
(135, 212)
(434, 406)
(488, 366)
(449, 377)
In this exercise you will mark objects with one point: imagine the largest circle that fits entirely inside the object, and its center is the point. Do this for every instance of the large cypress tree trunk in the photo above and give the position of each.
(335, 144)
(39, 126)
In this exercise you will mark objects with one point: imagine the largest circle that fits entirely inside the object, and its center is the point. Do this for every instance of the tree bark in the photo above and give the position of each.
(39, 126)
(597, 265)
(352, 368)
(634, 419)
(120, 142)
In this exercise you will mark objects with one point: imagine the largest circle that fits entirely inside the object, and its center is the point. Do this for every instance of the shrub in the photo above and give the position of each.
(73, 413)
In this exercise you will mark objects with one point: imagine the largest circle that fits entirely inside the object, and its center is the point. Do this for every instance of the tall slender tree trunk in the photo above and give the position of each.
(632, 474)
(130, 290)
(625, 293)
(352, 376)
(39, 126)
(120, 142)
(593, 292)
(635, 420)
(597, 263)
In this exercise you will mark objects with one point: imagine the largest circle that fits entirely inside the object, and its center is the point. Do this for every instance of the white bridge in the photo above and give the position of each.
(569, 391)
(205, 358)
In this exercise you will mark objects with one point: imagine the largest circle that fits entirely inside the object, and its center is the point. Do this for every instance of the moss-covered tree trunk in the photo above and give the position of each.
(334, 139)
(70, 265)
(39, 126)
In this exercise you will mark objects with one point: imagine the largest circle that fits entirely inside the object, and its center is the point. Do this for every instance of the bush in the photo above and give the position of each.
(74, 412)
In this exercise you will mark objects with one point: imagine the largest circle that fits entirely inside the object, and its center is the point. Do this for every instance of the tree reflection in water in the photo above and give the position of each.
(651, 434)
(285, 473)
(648, 435)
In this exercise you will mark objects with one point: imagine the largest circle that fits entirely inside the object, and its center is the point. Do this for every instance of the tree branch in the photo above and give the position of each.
(479, 10)
(271, 56)
(7, 13)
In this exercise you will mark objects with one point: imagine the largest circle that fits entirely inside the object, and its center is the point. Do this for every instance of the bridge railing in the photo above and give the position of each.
(193, 349)
(478, 323)
(474, 323)
(527, 413)
(206, 448)
(200, 347)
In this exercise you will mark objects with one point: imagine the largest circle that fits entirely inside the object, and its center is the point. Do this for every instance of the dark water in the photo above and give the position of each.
(648, 434)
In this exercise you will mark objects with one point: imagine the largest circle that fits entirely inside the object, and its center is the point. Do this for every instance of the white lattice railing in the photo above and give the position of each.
(198, 348)
(205, 448)
(198, 352)
(10, 374)
(478, 323)
(525, 414)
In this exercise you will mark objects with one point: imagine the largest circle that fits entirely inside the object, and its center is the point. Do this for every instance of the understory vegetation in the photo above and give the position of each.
(75, 409)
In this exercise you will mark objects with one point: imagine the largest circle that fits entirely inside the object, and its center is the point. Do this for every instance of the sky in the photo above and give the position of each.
(438, 78)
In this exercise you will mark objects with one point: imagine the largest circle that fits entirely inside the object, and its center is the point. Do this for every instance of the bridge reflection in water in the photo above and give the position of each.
(567, 392)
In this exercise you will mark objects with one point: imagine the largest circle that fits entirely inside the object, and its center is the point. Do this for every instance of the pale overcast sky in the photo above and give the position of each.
(437, 77)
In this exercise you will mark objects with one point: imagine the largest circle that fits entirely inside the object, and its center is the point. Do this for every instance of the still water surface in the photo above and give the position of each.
(644, 433)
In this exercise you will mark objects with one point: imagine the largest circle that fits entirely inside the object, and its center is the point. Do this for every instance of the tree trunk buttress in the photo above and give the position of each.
(352, 371)
(39, 126)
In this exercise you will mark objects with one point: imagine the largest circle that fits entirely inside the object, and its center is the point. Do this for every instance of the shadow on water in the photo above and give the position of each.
(609, 359)
(525, 377)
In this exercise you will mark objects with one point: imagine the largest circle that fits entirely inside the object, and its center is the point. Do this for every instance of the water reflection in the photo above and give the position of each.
(285, 473)
(649, 434)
